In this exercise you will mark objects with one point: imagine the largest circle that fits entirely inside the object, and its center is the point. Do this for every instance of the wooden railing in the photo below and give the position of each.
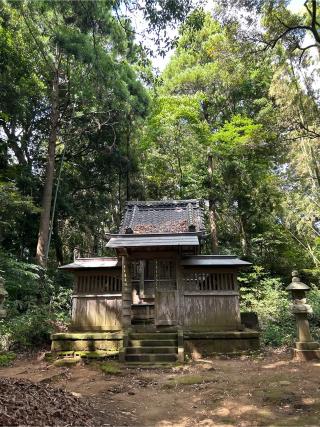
(98, 283)
(209, 281)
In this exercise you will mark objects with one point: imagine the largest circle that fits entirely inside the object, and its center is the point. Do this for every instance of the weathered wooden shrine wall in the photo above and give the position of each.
(96, 301)
(196, 298)
(210, 299)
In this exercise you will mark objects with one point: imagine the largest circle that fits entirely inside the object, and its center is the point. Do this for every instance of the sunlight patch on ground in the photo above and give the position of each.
(276, 364)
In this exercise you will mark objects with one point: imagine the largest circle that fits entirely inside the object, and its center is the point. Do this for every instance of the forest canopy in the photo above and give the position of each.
(87, 122)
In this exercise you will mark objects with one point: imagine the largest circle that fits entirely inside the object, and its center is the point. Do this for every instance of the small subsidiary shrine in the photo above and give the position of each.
(158, 298)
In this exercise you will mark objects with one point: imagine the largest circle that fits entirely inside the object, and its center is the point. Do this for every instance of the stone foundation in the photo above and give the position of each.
(202, 344)
(194, 344)
(87, 342)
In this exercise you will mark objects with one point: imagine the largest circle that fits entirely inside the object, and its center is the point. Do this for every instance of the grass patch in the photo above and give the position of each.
(110, 368)
(187, 380)
(6, 359)
(49, 357)
(279, 397)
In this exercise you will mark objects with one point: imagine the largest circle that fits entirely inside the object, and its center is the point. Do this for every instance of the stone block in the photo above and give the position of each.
(306, 355)
(198, 348)
(311, 345)
(85, 345)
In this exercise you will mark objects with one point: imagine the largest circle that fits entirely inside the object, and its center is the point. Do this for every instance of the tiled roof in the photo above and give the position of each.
(162, 217)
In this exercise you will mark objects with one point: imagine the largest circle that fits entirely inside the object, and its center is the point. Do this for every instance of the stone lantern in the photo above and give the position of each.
(3, 296)
(305, 347)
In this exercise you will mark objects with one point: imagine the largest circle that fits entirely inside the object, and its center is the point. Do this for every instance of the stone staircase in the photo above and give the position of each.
(151, 347)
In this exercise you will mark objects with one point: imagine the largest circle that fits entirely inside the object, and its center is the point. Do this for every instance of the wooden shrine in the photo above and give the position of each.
(158, 298)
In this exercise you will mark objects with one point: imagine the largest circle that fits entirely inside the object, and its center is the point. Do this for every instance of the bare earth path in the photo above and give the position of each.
(247, 391)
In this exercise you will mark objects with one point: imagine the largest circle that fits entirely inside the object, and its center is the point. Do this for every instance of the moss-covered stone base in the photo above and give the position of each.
(198, 345)
(88, 342)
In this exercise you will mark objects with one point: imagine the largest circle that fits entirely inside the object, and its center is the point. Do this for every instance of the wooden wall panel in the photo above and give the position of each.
(166, 310)
(211, 311)
(96, 313)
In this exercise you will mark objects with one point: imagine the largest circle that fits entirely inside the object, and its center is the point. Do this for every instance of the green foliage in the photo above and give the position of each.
(6, 359)
(213, 101)
(313, 298)
(265, 295)
(110, 368)
(237, 129)
(29, 330)
(101, 99)
(37, 304)
(171, 164)
(25, 283)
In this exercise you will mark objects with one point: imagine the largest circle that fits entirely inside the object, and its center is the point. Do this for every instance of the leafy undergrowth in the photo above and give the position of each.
(6, 359)
(110, 368)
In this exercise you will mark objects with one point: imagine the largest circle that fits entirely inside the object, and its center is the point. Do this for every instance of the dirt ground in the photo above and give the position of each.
(269, 389)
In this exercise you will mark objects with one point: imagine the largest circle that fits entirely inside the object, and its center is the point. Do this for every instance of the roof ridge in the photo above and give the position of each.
(160, 202)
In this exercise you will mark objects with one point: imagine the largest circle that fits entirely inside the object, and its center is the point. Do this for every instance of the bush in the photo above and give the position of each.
(110, 368)
(313, 298)
(31, 329)
(6, 359)
(38, 304)
(266, 296)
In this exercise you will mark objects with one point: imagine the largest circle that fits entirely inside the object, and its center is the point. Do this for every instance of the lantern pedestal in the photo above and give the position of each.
(310, 351)
(305, 348)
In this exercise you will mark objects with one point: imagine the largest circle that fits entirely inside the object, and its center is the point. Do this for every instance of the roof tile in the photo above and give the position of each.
(164, 217)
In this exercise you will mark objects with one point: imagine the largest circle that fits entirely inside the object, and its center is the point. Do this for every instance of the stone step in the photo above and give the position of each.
(152, 335)
(157, 357)
(152, 343)
(152, 350)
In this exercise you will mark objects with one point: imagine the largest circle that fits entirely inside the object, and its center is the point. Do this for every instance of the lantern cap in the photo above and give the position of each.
(296, 284)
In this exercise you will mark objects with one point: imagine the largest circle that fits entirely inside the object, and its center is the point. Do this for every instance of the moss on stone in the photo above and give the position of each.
(87, 336)
(86, 354)
(85, 345)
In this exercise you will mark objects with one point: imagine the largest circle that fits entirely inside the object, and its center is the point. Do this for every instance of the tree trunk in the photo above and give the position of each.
(212, 209)
(213, 225)
(128, 165)
(244, 238)
(314, 160)
(49, 177)
(57, 241)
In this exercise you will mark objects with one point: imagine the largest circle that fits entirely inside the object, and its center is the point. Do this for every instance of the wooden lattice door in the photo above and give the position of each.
(166, 295)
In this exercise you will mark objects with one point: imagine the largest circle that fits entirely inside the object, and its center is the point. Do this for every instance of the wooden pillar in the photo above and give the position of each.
(141, 278)
(126, 293)
(180, 292)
